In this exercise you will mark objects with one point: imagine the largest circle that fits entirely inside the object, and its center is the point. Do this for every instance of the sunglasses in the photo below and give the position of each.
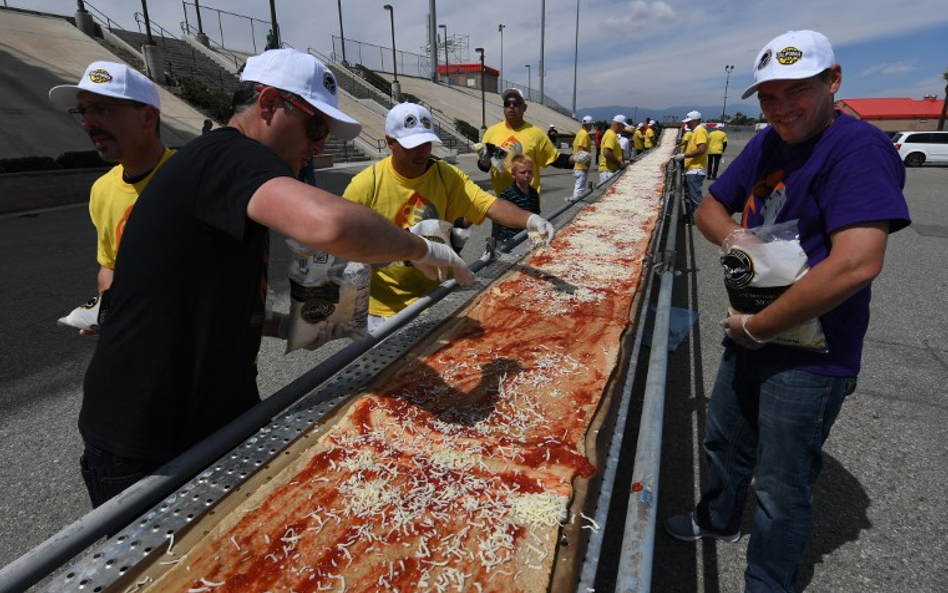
(316, 127)
(513, 103)
(104, 110)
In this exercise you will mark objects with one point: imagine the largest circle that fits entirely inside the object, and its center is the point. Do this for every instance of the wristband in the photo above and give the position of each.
(747, 333)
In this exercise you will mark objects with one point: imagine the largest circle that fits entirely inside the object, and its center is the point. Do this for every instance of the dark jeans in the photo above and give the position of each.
(775, 422)
(714, 161)
(106, 474)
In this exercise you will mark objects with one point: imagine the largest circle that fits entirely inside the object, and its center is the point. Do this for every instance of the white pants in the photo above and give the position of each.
(579, 182)
(606, 175)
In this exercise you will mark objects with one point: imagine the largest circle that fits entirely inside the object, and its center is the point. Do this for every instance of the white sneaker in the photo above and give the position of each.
(85, 316)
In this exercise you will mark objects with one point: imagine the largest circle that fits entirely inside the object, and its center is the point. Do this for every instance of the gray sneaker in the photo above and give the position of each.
(685, 528)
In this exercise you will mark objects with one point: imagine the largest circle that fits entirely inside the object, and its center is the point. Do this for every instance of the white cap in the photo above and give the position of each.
(692, 115)
(552, 126)
(512, 91)
(587, 119)
(111, 80)
(638, 127)
(620, 119)
(302, 74)
(792, 56)
(411, 125)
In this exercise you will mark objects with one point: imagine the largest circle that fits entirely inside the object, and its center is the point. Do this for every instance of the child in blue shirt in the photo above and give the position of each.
(520, 193)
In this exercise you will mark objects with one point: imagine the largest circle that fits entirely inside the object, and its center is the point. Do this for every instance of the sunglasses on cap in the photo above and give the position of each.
(317, 129)
(513, 103)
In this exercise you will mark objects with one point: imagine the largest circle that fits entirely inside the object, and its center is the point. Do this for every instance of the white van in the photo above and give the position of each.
(918, 148)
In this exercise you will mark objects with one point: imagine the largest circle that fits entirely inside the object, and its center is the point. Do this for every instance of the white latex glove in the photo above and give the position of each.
(481, 149)
(680, 157)
(582, 157)
(439, 257)
(538, 224)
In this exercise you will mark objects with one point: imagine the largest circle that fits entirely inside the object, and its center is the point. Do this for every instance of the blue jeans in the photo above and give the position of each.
(694, 192)
(775, 421)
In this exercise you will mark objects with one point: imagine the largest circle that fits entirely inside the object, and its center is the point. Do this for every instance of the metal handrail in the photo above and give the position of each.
(102, 17)
(220, 24)
(125, 507)
(154, 25)
(186, 29)
(638, 542)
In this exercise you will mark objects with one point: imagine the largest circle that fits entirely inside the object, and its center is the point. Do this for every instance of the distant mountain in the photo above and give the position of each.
(671, 114)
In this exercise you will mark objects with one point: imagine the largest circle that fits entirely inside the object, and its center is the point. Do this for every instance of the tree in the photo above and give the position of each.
(944, 106)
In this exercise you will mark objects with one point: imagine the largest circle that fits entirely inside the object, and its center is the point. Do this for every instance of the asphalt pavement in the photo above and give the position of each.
(881, 511)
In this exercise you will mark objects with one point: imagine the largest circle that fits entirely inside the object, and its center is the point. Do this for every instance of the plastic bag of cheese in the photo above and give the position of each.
(759, 265)
(329, 298)
(85, 316)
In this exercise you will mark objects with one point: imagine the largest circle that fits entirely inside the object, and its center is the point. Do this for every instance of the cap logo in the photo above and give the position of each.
(764, 60)
(410, 121)
(789, 56)
(100, 76)
(425, 123)
(330, 83)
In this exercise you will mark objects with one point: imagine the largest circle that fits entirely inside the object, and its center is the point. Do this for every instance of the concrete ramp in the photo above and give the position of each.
(456, 102)
(39, 51)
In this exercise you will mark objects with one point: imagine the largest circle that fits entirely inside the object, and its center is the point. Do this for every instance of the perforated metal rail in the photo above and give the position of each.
(104, 563)
(108, 561)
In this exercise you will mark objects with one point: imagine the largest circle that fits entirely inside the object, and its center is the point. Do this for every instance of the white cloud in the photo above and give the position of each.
(889, 69)
(633, 52)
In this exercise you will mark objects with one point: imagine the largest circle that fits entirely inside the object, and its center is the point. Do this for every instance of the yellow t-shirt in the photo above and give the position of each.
(716, 140)
(609, 140)
(638, 140)
(110, 203)
(698, 136)
(649, 138)
(581, 142)
(683, 146)
(442, 192)
(528, 140)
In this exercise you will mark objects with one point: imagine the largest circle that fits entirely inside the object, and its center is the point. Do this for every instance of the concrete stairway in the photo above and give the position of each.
(183, 61)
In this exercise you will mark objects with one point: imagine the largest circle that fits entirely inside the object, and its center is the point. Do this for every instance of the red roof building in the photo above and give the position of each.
(892, 115)
(469, 75)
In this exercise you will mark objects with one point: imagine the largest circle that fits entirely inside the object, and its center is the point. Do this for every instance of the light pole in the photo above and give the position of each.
(278, 39)
(480, 50)
(727, 79)
(342, 35)
(447, 69)
(500, 28)
(396, 87)
(576, 60)
(542, 40)
(529, 81)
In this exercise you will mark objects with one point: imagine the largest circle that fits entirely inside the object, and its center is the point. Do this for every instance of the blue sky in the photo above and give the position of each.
(649, 54)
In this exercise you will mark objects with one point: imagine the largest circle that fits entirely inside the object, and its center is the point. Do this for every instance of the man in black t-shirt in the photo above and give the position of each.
(176, 358)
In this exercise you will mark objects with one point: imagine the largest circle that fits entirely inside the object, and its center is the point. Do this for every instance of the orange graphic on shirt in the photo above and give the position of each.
(414, 210)
(512, 145)
(761, 190)
(120, 227)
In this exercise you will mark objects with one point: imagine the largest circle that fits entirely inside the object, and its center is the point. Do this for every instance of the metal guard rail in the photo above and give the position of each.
(149, 513)
(262, 439)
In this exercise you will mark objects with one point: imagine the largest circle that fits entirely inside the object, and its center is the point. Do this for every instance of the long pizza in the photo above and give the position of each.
(456, 472)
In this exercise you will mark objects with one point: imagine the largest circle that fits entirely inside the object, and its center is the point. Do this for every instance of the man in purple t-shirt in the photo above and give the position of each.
(772, 405)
